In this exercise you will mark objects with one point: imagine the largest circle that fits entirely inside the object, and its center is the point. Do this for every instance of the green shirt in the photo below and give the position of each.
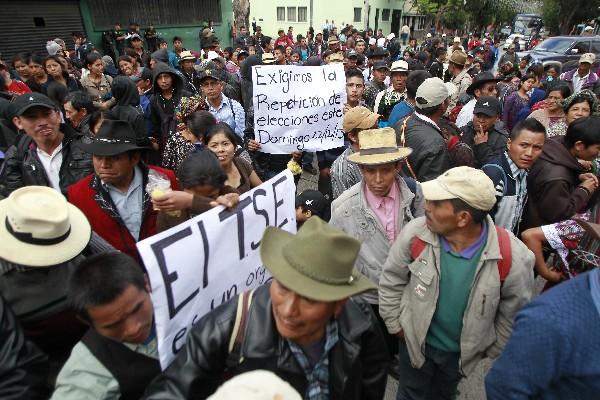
(83, 377)
(456, 278)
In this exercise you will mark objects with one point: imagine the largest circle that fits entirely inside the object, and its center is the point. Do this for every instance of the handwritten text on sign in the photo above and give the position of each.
(201, 263)
(298, 108)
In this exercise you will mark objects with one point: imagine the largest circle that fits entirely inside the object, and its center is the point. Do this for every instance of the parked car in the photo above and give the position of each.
(565, 51)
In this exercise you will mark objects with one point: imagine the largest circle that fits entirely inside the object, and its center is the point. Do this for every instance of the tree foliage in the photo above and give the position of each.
(561, 15)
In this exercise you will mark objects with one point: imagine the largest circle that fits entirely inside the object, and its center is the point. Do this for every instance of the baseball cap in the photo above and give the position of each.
(488, 105)
(381, 65)
(587, 58)
(312, 200)
(359, 118)
(26, 101)
(431, 93)
(468, 184)
(351, 54)
(210, 73)
(399, 66)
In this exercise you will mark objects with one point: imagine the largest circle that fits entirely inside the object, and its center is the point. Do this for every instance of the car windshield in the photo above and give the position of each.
(555, 45)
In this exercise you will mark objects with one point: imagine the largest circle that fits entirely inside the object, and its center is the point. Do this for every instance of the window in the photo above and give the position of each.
(385, 14)
(357, 13)
(596, 47)
(164, 12)
(302, 14)
(291, 14)
(280, 13)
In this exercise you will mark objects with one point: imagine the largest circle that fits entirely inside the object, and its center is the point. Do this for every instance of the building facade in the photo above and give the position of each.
(302, 14)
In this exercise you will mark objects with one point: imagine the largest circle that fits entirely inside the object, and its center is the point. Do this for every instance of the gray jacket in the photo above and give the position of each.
(351, 213)
(488, 318)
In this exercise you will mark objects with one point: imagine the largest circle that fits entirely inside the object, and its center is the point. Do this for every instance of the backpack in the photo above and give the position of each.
(418, 245)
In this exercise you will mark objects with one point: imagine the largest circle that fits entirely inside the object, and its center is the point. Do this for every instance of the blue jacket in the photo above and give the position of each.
(399, 112)
(554, 350)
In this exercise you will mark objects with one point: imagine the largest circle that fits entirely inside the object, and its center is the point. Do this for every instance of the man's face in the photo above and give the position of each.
(441, 218)
(280, 56)
(117, 27)
(355, 87)
(243, 31)
(526, 148)
(587, 153)
(143, 85)
(136, 43)
(163, 45)
(380, 74)
(552, 72)
(351, 63)
(335, 47)
(360, 47)
(319, 37)
(487, 89)
(126, 319)
(301, 320)
(584, 69)
(178, 45)
(41, 124)
(211, 88)
(73, 115)
(380, 178)
(187, 65)
(303, 42)
(295, 57)
(399, 81)
(165, 81)
(281, 34)
(116, 170)
(442, 56)
(412, 43)
(484, 122)
(76, 40)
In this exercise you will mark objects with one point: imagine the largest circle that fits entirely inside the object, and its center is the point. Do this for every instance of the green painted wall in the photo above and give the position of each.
(189, 34)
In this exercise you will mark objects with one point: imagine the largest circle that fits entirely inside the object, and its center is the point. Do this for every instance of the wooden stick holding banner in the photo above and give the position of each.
(298, 108)
(201, 263)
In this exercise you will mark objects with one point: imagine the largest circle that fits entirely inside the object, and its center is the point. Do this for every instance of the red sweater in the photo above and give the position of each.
(83, 195)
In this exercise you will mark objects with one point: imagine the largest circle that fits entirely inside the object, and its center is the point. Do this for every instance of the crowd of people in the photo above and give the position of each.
(458, 184)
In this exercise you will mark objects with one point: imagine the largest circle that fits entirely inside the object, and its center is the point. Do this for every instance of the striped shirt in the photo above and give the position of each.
(344, 174)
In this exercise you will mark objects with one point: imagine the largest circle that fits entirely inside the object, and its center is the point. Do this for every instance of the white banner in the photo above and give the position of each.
(298, 108)
(201, 263)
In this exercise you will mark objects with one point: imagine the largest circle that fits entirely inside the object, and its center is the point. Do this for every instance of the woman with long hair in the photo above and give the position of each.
(97, 84)
(552, 116)
(56, 68)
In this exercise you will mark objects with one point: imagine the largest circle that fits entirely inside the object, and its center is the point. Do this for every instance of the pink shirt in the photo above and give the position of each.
(386, 209)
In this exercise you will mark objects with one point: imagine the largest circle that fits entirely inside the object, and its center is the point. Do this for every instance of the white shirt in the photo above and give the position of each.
(426, 119)
(578, 82)
(405, 29)
(466, 114)
(52, 163)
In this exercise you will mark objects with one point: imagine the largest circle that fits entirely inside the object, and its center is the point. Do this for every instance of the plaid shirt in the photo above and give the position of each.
(318, 378)
(520, 176)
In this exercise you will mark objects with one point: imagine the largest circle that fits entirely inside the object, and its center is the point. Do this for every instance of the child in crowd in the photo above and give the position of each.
(310, 203)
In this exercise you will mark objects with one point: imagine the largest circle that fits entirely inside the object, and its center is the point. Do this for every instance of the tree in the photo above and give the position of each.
(241, 13)
(561, 15)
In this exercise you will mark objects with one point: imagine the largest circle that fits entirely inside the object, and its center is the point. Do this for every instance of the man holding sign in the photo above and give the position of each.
(301, 326)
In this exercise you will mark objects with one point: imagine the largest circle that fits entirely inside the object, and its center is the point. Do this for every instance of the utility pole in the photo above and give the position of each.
(366, 14)
(310, 6)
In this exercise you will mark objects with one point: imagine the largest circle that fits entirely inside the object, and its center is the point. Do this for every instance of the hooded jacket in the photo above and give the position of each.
(128, 108)
(552, 184)
(163, 112)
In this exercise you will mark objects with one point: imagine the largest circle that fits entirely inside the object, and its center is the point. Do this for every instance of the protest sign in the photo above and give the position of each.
(201, 263)
(298, 108)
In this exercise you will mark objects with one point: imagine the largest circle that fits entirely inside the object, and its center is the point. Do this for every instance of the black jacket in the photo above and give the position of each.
(163, 113)
(429, 158)
(128, 108)
(357, 363)
(23, 368)
(22, 166)
(488, 151)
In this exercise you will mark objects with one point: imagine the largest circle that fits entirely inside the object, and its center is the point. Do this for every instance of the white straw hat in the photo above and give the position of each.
(38, 228)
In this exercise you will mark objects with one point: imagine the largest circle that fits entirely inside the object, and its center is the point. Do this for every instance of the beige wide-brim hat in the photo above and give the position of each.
(317, 263)
(186, 55)
(378, 146)
(39, 228)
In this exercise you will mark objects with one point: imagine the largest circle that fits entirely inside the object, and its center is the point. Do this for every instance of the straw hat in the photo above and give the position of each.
(40, 228)
(186, 55)
(268, 58)
(256, 385)
(378, 146)
(317, 263)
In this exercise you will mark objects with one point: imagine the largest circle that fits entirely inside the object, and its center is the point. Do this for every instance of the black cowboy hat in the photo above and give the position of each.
(113, 137)
(480, 80)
